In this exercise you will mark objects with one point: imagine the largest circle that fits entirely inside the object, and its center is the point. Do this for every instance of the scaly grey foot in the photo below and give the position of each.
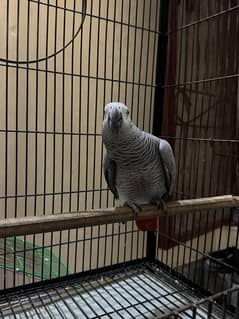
(160, 203)
(135, 207)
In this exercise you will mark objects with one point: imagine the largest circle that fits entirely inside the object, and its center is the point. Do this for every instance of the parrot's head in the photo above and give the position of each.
(116, 116)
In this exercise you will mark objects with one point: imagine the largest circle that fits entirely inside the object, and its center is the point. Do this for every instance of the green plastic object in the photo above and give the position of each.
(40, 262)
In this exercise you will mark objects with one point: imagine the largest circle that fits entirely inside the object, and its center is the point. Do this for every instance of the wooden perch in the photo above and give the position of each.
(44, 223)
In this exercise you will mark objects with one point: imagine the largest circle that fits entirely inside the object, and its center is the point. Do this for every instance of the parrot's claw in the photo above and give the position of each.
(135, 207)
(160, 204)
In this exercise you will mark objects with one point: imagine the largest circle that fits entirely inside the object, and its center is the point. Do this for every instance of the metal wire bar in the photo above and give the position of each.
(84, 76)
(149, 288)
(52, 149)
(104, 100)
(56, 52)
(202, 301)
(105, 294)
(6, 135)
(52, 194)
(220, 78)
(202, 253)
(88, 14)
(199, 139)
(127, 296)
(64, 243)
(206, 19)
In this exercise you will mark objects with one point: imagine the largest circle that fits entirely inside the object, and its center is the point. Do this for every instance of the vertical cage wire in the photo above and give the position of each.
(72, 57)
(50, 133)
(123, 292)
(53, 120)
(200, 110)
(201, 122)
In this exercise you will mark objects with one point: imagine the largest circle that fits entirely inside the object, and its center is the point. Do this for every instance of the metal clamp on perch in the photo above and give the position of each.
(39, 224)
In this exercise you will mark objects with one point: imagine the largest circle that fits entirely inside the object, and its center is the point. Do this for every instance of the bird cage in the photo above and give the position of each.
(65, 250)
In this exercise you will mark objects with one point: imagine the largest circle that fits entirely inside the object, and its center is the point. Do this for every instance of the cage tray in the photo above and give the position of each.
(137, 291)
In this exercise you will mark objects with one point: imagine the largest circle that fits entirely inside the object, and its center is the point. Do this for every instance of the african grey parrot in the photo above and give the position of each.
(139, 167)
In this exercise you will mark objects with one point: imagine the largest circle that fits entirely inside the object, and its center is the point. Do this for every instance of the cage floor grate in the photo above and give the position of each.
(141, 291)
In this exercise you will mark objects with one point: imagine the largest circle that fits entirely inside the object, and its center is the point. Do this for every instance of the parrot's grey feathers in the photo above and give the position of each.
(110, 175)
(168, 163)
(139, 167)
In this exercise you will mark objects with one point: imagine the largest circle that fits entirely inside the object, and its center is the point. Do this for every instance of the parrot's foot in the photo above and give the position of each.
(160, 203)
(135, 207)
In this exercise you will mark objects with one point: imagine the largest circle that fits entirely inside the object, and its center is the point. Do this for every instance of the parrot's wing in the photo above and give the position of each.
(110, 175)
(168, 162)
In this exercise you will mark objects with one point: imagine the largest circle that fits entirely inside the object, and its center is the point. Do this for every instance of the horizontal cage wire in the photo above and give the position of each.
(175, 65)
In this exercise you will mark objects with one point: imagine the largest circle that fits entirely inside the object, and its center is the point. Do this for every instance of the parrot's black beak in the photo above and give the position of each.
(115, 120)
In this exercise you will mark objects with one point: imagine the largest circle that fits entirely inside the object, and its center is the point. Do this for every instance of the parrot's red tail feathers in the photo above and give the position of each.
(147, 224)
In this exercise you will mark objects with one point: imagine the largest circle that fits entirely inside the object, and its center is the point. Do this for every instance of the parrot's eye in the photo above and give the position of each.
(127, 113)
